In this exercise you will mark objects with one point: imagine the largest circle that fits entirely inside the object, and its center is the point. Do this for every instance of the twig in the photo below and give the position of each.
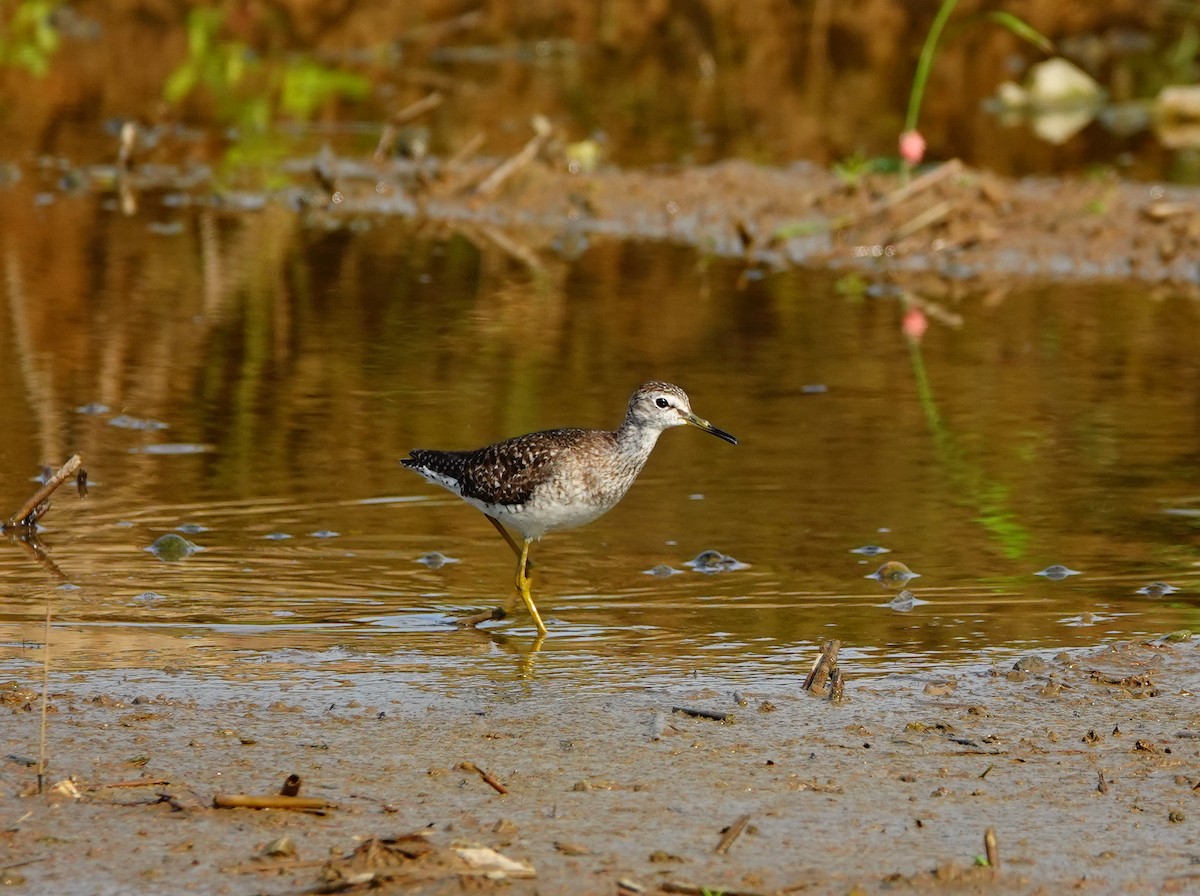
(732, 833)
(387, 139)
(837, 685)
(702, 713)
(269, 801)
(24, 862)
(139, 782)
(482, 616)
(487, 778)
(927, 218)
(420, 107)
(991, 848)
(465, 151)
(32, 510)
(519, 251)
(920, 184)
(823, 667)
(515, 163)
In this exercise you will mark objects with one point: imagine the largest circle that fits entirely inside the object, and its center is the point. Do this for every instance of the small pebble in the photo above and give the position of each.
(714, 561)
(893, 573)
(1057, 572)
(662, 571)
(1030, 664)
(280, 848)
(172, 547)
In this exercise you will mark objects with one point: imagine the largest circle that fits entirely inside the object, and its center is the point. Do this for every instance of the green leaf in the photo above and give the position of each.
(180, 83)
(1022, 29)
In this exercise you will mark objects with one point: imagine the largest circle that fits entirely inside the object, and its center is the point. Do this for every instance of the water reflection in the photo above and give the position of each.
(310, 361)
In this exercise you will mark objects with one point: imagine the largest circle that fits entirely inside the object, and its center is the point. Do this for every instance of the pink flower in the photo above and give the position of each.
(912, 147)
(915, 324)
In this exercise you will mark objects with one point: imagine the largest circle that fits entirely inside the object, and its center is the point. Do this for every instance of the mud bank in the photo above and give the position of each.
(1086, 766)
(950, 224)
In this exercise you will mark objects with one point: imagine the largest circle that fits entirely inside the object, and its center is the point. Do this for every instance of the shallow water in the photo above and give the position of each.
(252, 380)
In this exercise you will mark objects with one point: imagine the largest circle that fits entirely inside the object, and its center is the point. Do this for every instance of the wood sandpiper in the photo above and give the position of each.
(560, 478)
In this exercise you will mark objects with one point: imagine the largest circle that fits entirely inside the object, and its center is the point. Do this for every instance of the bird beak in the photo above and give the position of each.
(700, 423)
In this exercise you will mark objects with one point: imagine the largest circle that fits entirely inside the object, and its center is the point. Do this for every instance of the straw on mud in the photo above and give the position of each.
(270, 801)
(41, 777)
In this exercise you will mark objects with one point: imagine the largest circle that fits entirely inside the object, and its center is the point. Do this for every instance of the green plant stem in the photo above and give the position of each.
(925, 63)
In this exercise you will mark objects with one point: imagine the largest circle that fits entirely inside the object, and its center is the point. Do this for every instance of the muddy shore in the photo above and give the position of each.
(1086, 766)
(948, 229)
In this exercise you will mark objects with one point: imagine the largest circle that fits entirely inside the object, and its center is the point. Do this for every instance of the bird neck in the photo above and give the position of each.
(636, 439)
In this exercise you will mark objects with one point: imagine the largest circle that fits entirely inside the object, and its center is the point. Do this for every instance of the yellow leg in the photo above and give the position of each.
(523, 589)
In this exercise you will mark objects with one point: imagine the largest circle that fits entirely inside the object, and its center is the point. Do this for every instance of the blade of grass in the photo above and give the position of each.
(1022, 29)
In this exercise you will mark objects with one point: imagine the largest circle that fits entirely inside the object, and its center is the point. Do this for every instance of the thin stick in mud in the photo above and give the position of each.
(991, 848)
(487, 778)
(41, 775)
(732, 833)
(270, 801)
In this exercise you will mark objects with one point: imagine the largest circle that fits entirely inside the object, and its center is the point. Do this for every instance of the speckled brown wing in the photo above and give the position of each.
(504, 473)
(509, 471)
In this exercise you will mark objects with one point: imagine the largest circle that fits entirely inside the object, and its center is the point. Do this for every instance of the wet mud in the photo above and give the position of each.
(1085, 766)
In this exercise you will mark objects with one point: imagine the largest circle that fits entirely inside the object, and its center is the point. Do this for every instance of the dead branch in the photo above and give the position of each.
(35, 508)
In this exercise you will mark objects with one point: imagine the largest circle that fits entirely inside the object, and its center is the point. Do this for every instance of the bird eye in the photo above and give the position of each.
(662, 402)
